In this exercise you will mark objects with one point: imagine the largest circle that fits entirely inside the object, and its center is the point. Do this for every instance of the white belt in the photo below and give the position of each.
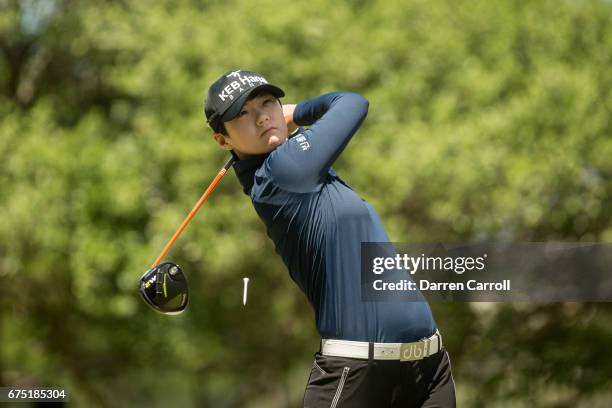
(383, 351)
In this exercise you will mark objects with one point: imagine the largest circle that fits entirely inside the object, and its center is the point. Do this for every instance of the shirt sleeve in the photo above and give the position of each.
(303, 161)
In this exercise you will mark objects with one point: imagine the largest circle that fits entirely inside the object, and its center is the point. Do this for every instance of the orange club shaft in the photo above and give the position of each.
(193, 211)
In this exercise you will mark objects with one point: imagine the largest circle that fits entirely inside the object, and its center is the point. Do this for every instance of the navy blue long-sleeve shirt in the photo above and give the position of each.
(317, 223)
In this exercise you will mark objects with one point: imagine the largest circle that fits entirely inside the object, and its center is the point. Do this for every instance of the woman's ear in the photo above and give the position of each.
(221, 139)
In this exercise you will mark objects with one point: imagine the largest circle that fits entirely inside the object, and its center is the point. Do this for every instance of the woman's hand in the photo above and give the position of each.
(288, 113)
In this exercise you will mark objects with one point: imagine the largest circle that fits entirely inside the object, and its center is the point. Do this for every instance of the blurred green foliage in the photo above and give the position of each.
(488, 120)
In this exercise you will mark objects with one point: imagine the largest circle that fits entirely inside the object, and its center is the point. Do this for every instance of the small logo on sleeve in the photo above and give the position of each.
(302, 142)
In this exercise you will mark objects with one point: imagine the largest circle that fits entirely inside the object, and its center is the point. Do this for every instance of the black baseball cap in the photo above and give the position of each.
(227, 95)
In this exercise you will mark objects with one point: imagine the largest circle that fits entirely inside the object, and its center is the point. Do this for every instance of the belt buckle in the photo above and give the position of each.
(414, 351)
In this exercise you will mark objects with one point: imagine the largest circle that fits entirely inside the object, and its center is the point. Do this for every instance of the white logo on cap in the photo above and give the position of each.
(250, 80)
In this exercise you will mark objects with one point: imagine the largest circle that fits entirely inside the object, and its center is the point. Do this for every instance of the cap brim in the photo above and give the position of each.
(235, 108)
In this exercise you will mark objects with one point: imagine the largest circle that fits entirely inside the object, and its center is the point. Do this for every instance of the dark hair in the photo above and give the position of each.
(219, 127)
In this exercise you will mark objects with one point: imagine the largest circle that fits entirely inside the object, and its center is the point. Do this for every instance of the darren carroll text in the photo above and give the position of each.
(424, 284)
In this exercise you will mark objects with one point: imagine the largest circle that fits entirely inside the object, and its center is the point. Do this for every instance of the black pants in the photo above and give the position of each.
(347, 382)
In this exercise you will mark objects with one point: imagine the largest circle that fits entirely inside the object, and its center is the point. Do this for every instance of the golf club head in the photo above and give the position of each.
(164, 288)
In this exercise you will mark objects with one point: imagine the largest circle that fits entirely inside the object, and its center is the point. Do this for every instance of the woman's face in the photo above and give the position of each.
(259, 127)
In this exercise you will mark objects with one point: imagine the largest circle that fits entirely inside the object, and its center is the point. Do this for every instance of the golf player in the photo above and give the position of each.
(317, 222)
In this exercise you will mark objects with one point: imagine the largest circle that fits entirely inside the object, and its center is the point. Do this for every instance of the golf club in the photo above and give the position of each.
(164, 285)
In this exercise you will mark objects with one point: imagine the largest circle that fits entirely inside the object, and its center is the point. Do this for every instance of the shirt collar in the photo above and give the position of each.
(245, 169)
